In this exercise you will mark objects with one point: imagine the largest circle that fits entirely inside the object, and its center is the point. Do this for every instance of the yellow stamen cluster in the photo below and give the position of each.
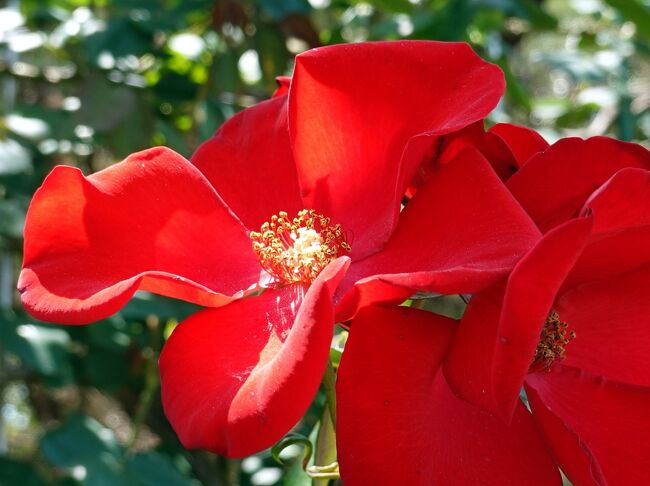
(297, 249)
(553, 340)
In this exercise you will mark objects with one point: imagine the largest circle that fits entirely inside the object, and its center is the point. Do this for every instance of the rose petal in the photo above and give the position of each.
(398, 422)
(611, 420)
(151, 222)
(351, 133)
(611, 319)
(237, 378)
(459, 234)
(283, 85)
(249, 163)
(573, 456)
(493, 148)
(493, 350)
(621, 235)
(553, 185)
(522, 141)
(622, 202)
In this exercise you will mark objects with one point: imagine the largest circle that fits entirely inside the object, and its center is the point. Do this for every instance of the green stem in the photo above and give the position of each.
(325, 467)
(151, 382)
(144, 404)
(329, 383)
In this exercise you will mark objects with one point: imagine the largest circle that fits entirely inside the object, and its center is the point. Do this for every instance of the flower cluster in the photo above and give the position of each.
(369, 177)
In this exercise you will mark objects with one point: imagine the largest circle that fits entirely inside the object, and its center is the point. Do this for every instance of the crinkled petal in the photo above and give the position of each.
(553, 185)
(237, 378)
(249, 163)
(360, 128)
(151, 222)
(399, 423)
(611, 319)
(459, 234)
(611, 420)
(522, 141)
(494, 347)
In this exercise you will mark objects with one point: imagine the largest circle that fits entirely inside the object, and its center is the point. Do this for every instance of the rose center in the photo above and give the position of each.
(553, 341)
(297, 249)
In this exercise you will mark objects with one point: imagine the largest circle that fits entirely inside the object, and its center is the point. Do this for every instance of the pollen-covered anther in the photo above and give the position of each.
(553, 341)
(297, 249)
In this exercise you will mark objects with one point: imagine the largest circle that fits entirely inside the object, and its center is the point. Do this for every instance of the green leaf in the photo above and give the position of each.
(153, 469)
(16, 472)
(80, 439)
(40, 348)
(110, 334)
(121, 38)
(279, 9)
(398, 6)
(12, 218)
(578, 116)
(525, 9)
(515, 92)
(88, 450)
(272, 53)
(106, 369)
(634, 11)
(451, 306)
(144, 304)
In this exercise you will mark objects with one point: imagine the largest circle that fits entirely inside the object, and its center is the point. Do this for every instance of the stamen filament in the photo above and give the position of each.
(554, 338)
(297, 250)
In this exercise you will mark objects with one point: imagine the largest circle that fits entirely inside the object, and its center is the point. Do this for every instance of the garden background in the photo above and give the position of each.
(86, 82)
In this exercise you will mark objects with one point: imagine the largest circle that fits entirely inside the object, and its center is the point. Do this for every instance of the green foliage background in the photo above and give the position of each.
(86, 82)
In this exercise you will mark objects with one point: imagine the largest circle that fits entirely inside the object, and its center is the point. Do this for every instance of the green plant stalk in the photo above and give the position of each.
(151, 381)
(325, 466)
(329, 384)
(325, 456)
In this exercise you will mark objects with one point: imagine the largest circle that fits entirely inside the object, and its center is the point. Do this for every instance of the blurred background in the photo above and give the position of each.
(86, 82)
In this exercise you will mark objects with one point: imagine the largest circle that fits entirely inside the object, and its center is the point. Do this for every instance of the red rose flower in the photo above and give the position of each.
(315, 178)
(399, 422)
(571, 322)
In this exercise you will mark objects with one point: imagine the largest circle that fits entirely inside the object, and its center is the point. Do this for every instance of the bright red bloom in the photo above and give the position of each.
(398, 422)
(344, 142)
(572, 321)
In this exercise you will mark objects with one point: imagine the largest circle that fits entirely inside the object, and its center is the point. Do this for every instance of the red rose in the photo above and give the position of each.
(315, 178)
(571, 322)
